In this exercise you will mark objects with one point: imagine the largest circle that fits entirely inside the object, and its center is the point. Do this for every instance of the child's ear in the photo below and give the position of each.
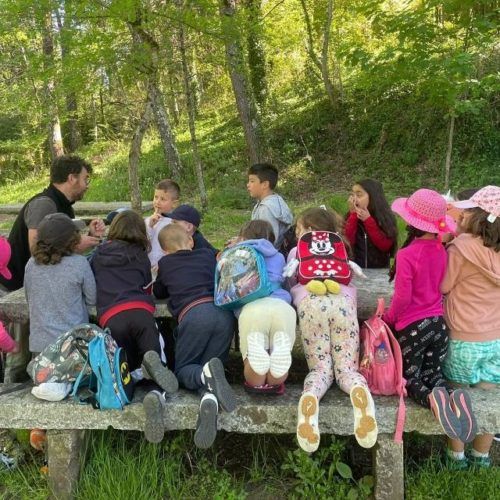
(191, 243)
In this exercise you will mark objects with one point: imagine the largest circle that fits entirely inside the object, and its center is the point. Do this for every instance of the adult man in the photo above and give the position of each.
(69, 180)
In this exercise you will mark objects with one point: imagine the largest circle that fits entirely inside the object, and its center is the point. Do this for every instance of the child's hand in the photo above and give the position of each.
(97, 228)
(362, 213)
(352, 204)
(153, 220)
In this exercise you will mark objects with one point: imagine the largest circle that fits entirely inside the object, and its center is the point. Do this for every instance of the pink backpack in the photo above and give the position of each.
(381, 363)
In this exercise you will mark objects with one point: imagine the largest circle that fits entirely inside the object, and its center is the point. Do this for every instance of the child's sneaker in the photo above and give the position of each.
(365, 425)
(275, 390)
(154, 429)
(206, 425)
(216, 383)
(52, 391)
(497, 438)
(307, 422)
(455, 463)
(462, 407)
(479, 462)
(281, 357)
(38, 439)
(153, 369)
(257, 355)
(440, 406)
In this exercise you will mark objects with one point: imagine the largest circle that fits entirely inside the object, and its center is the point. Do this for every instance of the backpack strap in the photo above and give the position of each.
(398, 358)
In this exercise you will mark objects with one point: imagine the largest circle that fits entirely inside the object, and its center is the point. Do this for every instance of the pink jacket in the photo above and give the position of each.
(472, 289)
(6, 342)
(420, 269)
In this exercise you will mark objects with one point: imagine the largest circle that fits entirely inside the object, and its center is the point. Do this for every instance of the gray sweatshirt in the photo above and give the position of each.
(274, 210)
(57, 297)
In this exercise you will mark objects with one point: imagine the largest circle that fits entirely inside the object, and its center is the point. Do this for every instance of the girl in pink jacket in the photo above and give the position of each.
(7, 344)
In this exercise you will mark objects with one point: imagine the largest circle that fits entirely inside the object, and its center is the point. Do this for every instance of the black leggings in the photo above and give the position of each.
(135, 331)
(423, 346)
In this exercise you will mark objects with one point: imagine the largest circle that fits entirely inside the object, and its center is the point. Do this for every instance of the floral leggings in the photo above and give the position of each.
(330, 335)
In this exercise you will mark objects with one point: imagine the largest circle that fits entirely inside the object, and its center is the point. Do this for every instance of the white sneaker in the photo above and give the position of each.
(52, 391)
(365, 425)
(281, 357)
(257, 355)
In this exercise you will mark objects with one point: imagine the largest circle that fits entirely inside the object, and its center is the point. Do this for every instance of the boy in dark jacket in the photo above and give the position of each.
(204, 332)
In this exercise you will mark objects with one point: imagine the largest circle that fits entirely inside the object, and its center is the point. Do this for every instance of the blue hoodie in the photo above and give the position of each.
(275, 262)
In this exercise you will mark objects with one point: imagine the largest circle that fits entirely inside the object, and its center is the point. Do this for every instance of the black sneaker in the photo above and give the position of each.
(216, 383)
(206, 425)
(154, 429)
(153, 369)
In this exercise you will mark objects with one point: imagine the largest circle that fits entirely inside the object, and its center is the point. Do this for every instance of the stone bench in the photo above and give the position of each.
(67, 422)
(83, 207)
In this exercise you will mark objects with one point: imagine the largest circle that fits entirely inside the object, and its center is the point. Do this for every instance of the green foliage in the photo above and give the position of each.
(325, 475)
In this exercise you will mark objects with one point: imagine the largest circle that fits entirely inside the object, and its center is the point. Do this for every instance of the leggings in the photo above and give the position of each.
(330, 335)
(423, 345)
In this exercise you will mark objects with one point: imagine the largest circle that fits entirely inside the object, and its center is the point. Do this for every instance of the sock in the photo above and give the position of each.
(137, 375)
(257, 355)
(202, 376)
(455, 455)
(478, 454)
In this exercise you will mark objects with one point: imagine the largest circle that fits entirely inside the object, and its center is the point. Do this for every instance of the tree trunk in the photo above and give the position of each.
(244, 102)
(191, 108)
(256, 54)
(447, 167)
(134, 157)
(148, 65)
(72, 132)
(54, 126)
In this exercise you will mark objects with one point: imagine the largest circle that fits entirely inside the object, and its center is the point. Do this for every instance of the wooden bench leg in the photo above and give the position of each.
(388, 467)
(66, 453)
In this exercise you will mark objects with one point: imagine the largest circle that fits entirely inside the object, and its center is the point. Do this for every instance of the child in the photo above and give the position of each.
(472, 296)
(370, 225)
(266, 325)
(262, 179)
(204, 333)
(7, 344)
(125, 306)
(416, 310)
(166, 198)
(189, 218)
(330, 335)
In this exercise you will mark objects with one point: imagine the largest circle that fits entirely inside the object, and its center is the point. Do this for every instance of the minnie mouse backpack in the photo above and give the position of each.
(322, 255)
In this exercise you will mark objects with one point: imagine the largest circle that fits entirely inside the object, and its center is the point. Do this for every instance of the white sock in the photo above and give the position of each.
(281, 357)
(202, 378)
(478, 454)
(137, 375)
(456, 455)
(257, 355)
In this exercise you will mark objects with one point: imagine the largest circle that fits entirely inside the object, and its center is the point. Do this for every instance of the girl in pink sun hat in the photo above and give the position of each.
(416, 310)
(7, 344)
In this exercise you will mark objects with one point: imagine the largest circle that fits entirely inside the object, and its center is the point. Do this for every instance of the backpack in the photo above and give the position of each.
(288, 241)
(241, 277)
(381, 363)
(322, 255)
(66, 359)
(110, 385)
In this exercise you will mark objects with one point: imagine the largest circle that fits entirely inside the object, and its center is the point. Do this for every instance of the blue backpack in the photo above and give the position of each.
(110, 385)
(241, 277)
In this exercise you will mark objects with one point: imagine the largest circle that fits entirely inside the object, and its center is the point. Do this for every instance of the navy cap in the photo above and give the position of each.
(186, 213)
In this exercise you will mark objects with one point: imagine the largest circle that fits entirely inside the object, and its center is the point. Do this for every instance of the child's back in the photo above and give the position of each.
(274, 210)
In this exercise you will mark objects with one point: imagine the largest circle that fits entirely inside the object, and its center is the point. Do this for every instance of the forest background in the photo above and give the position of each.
(405, 91)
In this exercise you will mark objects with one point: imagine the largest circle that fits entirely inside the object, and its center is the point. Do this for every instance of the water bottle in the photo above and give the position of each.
(381, 354)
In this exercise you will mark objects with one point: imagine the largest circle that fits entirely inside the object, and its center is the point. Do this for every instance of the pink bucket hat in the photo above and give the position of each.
(425, 209)
(487, 198)
(5, 253)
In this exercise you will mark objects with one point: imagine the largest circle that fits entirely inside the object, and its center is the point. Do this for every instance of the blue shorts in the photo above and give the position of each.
(473, 362)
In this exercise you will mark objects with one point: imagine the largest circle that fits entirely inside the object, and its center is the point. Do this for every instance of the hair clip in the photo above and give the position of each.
(322, 207)
(491, 218)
